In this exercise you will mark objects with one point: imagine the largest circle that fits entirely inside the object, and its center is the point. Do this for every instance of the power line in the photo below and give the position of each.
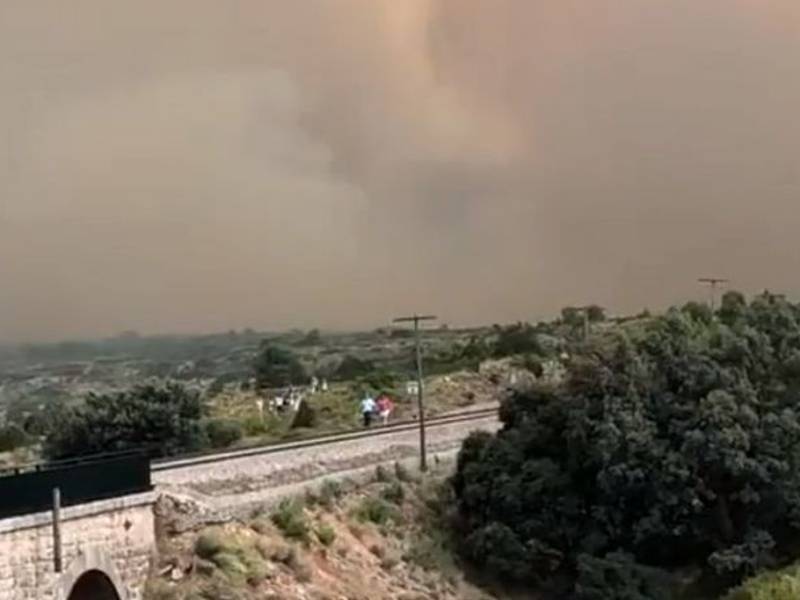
(416, 319)
(713, 282)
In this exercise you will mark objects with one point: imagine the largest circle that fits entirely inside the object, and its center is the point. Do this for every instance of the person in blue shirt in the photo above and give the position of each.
(368, 408)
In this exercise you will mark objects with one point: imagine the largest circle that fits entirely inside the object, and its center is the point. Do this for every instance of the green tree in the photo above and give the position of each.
(278, 367)
(679, 447)
(353, 367)
(595, 313)
(571, 316)
(164, 419)
(518, 338)
(698, 311)
(733, 307)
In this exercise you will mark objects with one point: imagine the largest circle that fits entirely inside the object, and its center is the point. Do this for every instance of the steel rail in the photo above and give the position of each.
(323, 440)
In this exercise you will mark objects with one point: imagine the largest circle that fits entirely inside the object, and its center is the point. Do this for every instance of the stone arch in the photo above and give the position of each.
(93, 585)
(93, 575)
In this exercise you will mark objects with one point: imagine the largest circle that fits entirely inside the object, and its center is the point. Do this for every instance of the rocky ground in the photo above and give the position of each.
(382, 539)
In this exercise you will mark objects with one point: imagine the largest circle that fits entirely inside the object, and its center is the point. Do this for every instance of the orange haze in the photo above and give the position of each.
(205, 165)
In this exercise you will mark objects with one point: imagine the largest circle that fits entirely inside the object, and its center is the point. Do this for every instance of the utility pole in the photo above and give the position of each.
(416, 319)
(586, 326)
(713, 282)
(57, 562)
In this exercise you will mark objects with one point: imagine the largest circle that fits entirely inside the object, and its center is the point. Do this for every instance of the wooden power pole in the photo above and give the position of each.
(57, 559)
(713, 283)
(416, 319)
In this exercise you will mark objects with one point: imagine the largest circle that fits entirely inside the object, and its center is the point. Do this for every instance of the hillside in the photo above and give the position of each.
(382, 540)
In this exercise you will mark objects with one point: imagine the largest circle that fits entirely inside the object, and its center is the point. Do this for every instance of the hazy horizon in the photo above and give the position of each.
(194, 165)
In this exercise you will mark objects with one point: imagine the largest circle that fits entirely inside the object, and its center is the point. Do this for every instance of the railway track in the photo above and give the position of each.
(171, 464)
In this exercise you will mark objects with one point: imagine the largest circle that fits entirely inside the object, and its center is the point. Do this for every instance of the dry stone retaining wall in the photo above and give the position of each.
(115, 537)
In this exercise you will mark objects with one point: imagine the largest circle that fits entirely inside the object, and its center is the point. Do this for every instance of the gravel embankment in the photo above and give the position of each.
(230, 486)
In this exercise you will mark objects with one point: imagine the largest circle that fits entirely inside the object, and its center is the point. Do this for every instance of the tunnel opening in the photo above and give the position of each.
(93, 585)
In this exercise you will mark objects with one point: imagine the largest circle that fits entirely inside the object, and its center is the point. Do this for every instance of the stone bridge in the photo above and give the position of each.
(103, 549)
(106, 548)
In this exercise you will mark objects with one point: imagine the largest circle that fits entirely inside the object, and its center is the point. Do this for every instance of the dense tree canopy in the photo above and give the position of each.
(671, 445)
(278, 367)
(352, 367)
(518, 338)
(163, 419)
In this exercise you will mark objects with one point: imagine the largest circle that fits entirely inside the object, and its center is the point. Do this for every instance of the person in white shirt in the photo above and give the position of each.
(367, 410)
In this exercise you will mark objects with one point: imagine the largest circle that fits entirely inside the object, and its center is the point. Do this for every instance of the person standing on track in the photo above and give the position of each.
(368, 407)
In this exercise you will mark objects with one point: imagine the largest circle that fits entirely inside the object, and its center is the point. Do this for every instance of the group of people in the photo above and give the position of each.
(372, 408)
(291, 400)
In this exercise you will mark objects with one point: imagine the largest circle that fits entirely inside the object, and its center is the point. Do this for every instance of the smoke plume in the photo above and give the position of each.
(202, 165)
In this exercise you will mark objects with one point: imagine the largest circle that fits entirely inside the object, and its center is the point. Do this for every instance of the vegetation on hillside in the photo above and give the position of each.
(670, 449)
(380, 539)
(275, 367)
(163, 419)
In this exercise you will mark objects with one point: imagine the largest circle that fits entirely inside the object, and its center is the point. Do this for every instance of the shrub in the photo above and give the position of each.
(402, 473)
(619, 576)
(259, 525)
(430, 551)
(257, 570)
(375, 510)
(326, 534)
(301, 569)
(238, 559)
(158, 589)
(330, 491)
(208, 544)
(231, 566)
(290, 519)
(305, 416)
(204, 567)
(12, 437)
(255, 425)
(219, 588)
(382, 475)
(380, 380)
(394, 493)
(223, 432)
(780, 585)
(289, 556)
(280, 552)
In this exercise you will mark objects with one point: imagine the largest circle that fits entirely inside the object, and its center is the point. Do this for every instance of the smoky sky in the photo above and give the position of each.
(196, 165)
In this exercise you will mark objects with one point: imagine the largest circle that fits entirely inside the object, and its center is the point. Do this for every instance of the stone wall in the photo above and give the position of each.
(115, 536)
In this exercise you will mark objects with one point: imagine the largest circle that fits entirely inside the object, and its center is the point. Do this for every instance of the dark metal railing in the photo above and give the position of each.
(29, 489)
